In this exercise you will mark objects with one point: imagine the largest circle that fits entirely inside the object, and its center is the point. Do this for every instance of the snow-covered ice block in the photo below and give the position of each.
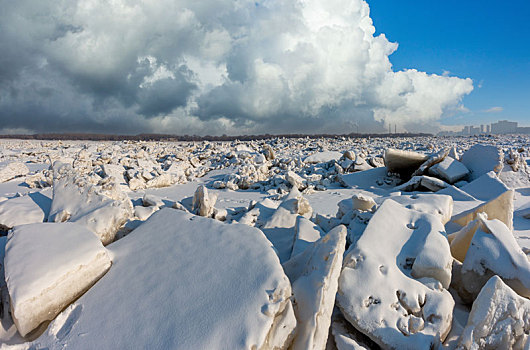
(29, 209)
(203, 202)
(499, 319)
(392, 284)
(13, 170)
(323, 157)
(486, 187)
(76, 201)
(431, 161)
(306, 233)
(437, 204)
(295, 180)
(403, 162)
(362, 202)
(47, 266)
(450, 170)
(481, 159)
(493, 250)
(314, 276)
(181, 281)
(417, 182)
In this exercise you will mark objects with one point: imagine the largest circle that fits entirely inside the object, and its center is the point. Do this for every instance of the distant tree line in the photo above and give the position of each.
(168, 137)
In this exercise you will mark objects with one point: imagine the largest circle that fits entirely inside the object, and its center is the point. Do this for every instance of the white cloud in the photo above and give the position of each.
(211, 66)
(494, 110)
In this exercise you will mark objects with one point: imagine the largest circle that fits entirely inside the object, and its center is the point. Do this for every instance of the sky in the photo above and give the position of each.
(263, 66)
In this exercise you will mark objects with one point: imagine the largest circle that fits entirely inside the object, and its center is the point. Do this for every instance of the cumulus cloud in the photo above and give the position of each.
(212, 66)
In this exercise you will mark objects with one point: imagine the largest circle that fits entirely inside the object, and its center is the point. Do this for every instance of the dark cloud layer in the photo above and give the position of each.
(213, 66)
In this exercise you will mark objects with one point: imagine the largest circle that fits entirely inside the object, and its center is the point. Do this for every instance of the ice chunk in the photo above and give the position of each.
(13, 170)
(76, 201)
(314, 276)
(348, 338)
(436, 204)
(486, 187)
(48, 266)
(481, 159)
(492, 251)
(403, 162)
(450, 170)
(29, 209)
(203, 202)
(499, 319)
(306, 232)
(323, 157)
(417, 182)
(295, 180)
(181, 281)
(392, 284)
(362, 202)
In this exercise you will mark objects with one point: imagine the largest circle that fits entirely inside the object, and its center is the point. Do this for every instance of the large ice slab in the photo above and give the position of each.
(306, 233)
(314, 276)
(403, 162)
(323, 157)
(47, 266)
(499, 319)
(75, 200)
(437, 204)
(392, 284)
(450, 170)
(181, 281)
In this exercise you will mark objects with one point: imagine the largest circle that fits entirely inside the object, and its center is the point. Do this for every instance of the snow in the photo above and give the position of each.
(403, 262)
(47, 266)
(499, 319)
(182, 282)
(481, 159)
(314, 275)
(435, 204)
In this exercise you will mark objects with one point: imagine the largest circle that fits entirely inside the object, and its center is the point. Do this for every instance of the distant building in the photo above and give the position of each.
(482, 129)
(504, 127)
(488, 129)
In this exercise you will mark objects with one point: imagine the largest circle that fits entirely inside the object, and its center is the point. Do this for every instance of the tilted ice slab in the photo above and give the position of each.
(347, 337)
(392, 284)
(12, 170)
(481, 159)
(403, 162)
(29, 209)
(181, 281)
(75, 201)
(314, 276)
(306, 233)
(47, 266)
(499, 319)
(493, 250)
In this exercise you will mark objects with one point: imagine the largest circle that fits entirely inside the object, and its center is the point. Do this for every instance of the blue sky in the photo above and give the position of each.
(487, 41)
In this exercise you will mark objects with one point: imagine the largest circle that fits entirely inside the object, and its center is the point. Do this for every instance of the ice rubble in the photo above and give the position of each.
(314, 276)
(75, 200)
(341, 173)
(47, 266)
(165, 290)
(491, 250)
(12, 170)
(499, 319)
(403, 263)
